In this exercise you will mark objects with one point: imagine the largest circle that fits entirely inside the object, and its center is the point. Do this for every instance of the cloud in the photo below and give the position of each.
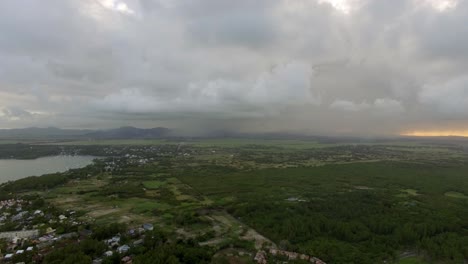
(449, 97)
(259, 65)
(284, 84)
(248, 24)
(441, 5)
(349, 106)
(388, 106)
(15, 113)
(127, 101)
(379, 106)
(118, 6)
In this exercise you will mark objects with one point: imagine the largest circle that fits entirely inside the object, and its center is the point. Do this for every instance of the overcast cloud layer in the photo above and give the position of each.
(357, 67)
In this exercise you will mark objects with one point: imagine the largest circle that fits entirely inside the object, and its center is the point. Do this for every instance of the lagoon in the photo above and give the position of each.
(14, 169)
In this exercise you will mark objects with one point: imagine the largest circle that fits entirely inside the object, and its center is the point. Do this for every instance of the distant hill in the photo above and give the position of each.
(53, 133)
(41, 133)
(130, 133)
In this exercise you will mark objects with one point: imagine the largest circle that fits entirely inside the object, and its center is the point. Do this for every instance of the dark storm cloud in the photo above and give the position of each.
(318, 66)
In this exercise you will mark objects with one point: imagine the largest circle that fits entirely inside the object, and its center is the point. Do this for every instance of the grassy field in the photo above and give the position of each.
(153, 184)
(456, 195)
(230, 143)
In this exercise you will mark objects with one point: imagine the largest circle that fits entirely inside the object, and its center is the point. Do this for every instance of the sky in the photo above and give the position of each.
(322, 67)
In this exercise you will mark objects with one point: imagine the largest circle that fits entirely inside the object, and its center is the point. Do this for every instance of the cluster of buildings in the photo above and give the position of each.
(12, 212)
(295, 255)
(9, 256)
(11, 203)
(42, 243)
(115, 246)
(116, 163)
(24, 228)
(262, 257)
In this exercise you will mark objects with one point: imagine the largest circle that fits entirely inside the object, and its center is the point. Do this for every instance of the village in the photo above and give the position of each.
(38, 232)
(31, 230)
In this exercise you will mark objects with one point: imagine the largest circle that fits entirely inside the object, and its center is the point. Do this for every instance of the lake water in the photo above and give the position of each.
(13, 169)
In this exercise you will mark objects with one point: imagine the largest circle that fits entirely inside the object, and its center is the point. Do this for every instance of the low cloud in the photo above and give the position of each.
(127, 101)
(449, 97)
(14, 113)
(285, 84)
(348, 106)
(379, 106)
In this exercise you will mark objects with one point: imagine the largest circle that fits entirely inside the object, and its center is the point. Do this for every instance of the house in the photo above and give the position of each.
(29, 249)
(108, 253)
(123, 249)
(20, 251)
(19, 216)
(138, 242)
(38, 212)
(15, 240)
(316, 261)
(260, 257)
(127, 260)
(148, 227)
(46, 238)
(68, 235)
(114, 241)
(8, 256)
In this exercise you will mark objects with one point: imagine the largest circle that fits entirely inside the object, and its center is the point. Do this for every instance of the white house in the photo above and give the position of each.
(123, 249)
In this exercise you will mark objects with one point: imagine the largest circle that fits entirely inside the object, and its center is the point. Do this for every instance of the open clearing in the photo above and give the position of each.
(456, 195)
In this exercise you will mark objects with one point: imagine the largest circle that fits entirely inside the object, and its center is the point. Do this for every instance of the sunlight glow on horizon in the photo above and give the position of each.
(437, 133)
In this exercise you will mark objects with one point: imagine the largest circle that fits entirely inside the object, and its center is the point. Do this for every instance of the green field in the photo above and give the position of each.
(456, 195)
(153, 184)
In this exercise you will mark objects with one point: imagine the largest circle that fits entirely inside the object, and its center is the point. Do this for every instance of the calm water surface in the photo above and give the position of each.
(13, 169)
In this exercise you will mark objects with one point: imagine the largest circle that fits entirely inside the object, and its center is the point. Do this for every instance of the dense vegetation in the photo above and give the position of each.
(157, 248)
(354, 213)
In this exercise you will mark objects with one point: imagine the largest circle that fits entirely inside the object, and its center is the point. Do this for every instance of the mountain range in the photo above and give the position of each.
(58, 133)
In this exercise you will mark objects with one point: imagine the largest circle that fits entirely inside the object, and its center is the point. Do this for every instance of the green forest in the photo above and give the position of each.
(352, 213)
